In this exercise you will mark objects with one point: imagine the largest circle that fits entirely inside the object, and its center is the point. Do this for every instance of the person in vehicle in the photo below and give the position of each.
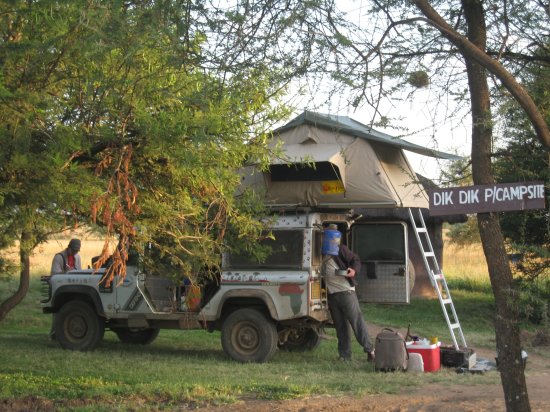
(339, 267)
(68, 259)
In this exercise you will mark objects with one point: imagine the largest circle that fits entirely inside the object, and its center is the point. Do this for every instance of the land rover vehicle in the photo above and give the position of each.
(258, 307)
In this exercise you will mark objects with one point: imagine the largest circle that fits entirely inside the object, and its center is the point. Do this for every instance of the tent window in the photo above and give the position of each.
(300, 172)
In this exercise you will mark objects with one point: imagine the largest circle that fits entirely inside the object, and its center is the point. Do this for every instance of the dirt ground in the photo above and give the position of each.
(428, 398)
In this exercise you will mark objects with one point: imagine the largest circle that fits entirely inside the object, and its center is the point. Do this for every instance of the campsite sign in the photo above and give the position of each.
(487, 198)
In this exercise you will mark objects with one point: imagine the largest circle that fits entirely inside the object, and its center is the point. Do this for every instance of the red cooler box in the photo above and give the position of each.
(430, 354)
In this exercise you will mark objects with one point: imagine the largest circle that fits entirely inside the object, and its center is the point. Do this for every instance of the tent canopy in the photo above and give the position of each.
(346, 125)
(327, 163)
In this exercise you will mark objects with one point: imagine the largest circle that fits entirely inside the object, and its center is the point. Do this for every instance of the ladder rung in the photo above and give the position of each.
(446, 301)
(455, 325)
(429, 254)
(421, 230)
(438, 276)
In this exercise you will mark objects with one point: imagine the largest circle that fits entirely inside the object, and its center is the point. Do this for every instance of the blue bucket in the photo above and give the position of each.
(331, 242)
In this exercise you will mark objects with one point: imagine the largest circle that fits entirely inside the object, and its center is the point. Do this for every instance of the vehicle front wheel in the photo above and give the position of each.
(78, 327)
(137, 336)
(249, 336)
(301, 340)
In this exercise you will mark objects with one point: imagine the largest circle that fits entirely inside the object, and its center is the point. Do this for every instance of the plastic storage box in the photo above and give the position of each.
(430, 354)
(462, 358)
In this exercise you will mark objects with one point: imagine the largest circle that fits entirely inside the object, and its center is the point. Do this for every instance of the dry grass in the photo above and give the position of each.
(41, 259)
(461, 263)
(466, 261)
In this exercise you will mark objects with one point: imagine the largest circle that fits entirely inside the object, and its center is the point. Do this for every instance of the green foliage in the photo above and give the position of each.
(108, 116)
(523, 158)
(464, 234)
(7, 268)
(534, 301)
(457, 173)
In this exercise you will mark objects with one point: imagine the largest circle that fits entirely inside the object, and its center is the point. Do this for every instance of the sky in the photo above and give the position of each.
(421, 118)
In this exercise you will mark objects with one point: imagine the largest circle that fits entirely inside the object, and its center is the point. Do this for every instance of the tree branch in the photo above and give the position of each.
(470, 50)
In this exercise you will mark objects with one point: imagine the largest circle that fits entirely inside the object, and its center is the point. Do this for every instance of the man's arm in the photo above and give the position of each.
(77, 262)
(57, 265)
(351, 259)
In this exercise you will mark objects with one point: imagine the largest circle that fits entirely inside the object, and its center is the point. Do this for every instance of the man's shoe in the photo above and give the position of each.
(344, 359)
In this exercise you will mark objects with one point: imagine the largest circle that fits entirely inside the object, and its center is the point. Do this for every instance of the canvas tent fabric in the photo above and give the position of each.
(324, 162)
(347, 125)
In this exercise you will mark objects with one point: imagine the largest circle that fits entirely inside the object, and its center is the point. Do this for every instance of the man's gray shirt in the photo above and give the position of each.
(61, 259)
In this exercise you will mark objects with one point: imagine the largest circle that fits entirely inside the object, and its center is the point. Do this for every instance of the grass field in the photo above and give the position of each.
(186, 368)
(466, 268)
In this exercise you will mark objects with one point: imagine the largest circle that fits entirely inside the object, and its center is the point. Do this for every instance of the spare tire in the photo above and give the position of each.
(301, 340)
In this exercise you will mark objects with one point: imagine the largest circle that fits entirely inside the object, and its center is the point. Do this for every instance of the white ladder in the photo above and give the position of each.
(437, 278)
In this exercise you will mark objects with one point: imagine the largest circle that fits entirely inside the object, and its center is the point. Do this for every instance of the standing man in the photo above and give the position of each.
(68, 259)
(340, 265)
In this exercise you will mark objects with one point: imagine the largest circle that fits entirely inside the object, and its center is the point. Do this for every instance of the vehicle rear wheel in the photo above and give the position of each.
(78, 327)
(137, 336)
(249, 336)
(301, 340)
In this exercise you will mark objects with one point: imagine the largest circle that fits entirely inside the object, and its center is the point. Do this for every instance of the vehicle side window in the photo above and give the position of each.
(283, 252)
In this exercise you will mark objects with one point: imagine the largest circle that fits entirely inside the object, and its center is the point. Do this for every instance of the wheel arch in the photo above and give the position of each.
(77, 292)
(241, 298)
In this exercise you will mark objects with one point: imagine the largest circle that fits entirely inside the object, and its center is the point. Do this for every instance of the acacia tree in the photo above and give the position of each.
(405, 46)
(110, 117)
(521, 156)
(468, 53)
(459, 50)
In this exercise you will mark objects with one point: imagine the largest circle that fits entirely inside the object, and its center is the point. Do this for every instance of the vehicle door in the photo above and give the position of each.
(386, 272)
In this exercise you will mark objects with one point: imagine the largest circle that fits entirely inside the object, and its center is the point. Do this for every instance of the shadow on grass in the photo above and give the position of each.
(40, 342)
(163, 348)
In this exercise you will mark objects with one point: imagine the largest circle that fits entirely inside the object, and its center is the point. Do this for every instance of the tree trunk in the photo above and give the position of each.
(506, 296)
(24, 279)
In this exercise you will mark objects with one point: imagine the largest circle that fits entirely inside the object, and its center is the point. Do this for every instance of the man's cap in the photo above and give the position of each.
(74, 244)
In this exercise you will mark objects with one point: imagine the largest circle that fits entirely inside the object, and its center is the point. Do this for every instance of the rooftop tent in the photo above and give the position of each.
(334, 161)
